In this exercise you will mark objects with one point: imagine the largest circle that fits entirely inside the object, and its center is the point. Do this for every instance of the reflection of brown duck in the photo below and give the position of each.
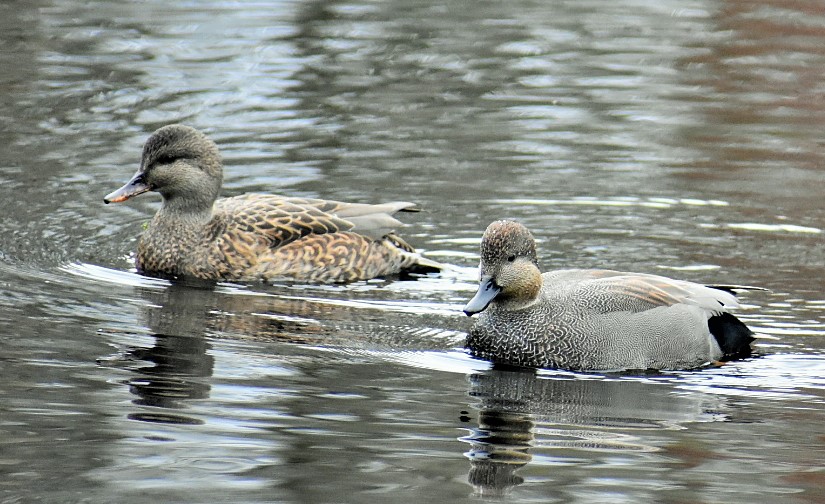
(331, 318)
(255, 236)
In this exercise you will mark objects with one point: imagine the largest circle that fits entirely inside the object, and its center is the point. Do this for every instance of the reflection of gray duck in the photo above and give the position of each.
(594, 319)
(255, 236)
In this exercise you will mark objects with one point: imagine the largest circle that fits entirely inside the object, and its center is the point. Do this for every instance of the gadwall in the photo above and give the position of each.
(255, 236)
(595, 320)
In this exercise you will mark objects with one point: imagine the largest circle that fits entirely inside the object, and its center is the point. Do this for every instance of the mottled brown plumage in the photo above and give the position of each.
(255, 236)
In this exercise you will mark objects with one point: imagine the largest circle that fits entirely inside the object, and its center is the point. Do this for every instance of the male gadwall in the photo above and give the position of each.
(255, 236)
(595, 320)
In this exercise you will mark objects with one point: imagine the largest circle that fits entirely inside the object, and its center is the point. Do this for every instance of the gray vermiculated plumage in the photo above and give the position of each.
(255, 236)
(594, 319)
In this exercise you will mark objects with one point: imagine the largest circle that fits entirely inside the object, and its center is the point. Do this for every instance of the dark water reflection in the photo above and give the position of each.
(588, 431)
(670, 137)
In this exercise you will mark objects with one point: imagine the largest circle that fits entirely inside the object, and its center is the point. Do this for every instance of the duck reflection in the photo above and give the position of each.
(180, 363)
(520, 411)
(184, 318)
(499, 446)
(181, 318)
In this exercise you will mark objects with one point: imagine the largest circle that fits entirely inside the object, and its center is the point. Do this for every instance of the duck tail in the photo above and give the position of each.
(418, 264)
(736, 289)
(398, 242)
(424, 266)
(733, 336)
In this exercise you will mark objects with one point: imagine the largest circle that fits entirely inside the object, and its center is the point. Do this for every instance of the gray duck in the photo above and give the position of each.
(595, 320)
(255, 237)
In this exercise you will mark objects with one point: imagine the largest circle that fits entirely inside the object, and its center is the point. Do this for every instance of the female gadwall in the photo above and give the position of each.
(596, 320)
(255, 236)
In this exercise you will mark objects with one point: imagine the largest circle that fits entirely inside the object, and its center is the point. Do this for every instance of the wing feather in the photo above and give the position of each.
(614, 291)
(280, 221)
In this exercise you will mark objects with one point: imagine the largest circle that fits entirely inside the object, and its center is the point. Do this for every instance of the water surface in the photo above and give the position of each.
(669, 137)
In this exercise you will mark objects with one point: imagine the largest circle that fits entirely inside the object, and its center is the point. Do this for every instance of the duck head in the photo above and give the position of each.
(509, 272)
(181, 164)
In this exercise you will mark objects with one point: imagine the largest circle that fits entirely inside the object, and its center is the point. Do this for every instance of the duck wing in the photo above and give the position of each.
(375, 221)
(635, 292)
(281, 221)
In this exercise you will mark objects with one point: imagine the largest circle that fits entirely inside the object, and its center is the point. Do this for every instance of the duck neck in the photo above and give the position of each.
(196, 202)
(181, 217)
(515, 303)
(170, 239)
(523, 294)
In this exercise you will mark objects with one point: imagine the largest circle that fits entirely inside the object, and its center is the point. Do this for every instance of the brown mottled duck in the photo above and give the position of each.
(255, 237)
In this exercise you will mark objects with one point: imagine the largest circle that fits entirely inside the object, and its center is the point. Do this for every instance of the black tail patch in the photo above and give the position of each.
(733, 336)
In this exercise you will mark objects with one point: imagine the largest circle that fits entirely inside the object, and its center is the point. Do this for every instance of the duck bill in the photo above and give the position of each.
(131, 189)
(487, 291)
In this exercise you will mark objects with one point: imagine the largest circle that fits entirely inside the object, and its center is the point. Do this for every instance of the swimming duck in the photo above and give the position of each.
(595, 320)
(255, 236)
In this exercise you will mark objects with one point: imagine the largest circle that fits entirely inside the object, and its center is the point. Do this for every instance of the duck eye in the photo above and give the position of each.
(511, 258)
(165, 160)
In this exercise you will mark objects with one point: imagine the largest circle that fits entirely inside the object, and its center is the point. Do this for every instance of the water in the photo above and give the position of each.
(666, 137)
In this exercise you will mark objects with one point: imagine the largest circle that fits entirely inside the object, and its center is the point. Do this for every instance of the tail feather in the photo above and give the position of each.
(735, 289)
(733, 336)
(421, 264)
